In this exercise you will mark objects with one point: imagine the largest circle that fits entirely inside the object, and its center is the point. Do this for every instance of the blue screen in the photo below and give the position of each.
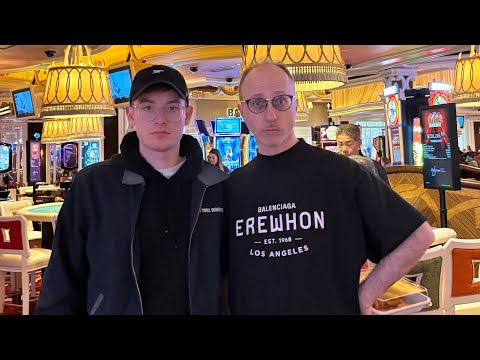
(90, 153)
(229, 148)
(252, 147)
(460, 120)
(5, 157)
(22, 100)
(120, 83)
(228, 125)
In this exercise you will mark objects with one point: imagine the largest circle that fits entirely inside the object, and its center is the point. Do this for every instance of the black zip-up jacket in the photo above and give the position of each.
(94, 265)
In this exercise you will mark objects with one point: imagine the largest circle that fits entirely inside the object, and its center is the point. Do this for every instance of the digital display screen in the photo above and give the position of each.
(396, 146)
(252, 147)
(5, 157)
(328, 132)
(35, 161)
(229, 148)
(120, 83)
(90, 152)
(441, 165)
(23, 103)
(69, 156)
(417, 147)
(228, 125)
(460, 120)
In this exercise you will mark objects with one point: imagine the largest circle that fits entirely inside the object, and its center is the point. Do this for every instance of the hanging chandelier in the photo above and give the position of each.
(77, 88)
(314, 67)
(85, 128)
(303, 112)
(466, 91)
(55, 131)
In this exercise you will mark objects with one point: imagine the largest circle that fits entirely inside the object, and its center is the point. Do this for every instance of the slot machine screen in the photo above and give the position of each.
(460, 120)
(229, 148)
(228, 125)
(441, 165)
(90, 152)
(35, 161)
(5, 157)
(252, 147)
(69, 156)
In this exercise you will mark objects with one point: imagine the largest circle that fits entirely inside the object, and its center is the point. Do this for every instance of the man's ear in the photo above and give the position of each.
(188, 114)
(129, 113)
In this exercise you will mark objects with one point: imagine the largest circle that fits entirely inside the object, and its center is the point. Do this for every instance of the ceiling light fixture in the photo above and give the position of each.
(314, 67)
(466, 90)
(78, 88)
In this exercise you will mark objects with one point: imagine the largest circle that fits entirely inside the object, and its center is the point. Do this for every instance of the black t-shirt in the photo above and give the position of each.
(301, 225)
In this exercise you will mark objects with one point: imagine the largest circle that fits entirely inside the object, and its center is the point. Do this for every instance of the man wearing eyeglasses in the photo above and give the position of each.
(302, 220)
(140, 233)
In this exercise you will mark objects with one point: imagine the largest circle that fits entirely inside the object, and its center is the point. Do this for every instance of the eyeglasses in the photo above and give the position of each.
(280, 102)
(147, 112)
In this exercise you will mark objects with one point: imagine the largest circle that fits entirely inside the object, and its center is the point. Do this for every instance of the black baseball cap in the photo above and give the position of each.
(158, 74)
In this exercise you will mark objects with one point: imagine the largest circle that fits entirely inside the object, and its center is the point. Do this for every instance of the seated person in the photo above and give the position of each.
(349, 142)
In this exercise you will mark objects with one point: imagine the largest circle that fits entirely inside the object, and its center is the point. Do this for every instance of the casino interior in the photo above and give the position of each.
(393, 92)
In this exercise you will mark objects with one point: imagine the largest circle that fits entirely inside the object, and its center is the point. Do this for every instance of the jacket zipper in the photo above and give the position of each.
(190, 247)
(97, 303)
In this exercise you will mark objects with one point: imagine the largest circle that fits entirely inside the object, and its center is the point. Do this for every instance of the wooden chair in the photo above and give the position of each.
(16, 256)
(462, 279)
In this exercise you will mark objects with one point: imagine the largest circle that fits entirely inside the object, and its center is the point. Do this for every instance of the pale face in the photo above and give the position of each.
(212, 158)
(347, 145)
(273, 129)
(162, 131)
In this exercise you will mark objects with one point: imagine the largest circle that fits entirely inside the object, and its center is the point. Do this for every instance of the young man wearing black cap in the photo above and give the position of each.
(140, 233)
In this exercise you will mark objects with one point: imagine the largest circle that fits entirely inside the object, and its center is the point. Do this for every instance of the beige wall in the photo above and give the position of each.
(210, 109)
(318, 116)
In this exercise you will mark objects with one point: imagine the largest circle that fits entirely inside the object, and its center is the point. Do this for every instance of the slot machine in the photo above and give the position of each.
(249, 144)
(90, 152)
(400, 113)
(200, 133)
(228, 140)
(6, 155)
(328, 137)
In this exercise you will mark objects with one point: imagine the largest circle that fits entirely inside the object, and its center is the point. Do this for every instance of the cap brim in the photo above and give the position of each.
(141, 90)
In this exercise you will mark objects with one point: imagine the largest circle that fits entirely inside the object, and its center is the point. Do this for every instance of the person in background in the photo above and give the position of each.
(349, 142)
(214, 158)
(140, 233)
(303, 220)
(366, 162)
(7, 179)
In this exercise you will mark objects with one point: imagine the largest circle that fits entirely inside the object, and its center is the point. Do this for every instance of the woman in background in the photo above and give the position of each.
(215, 159)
